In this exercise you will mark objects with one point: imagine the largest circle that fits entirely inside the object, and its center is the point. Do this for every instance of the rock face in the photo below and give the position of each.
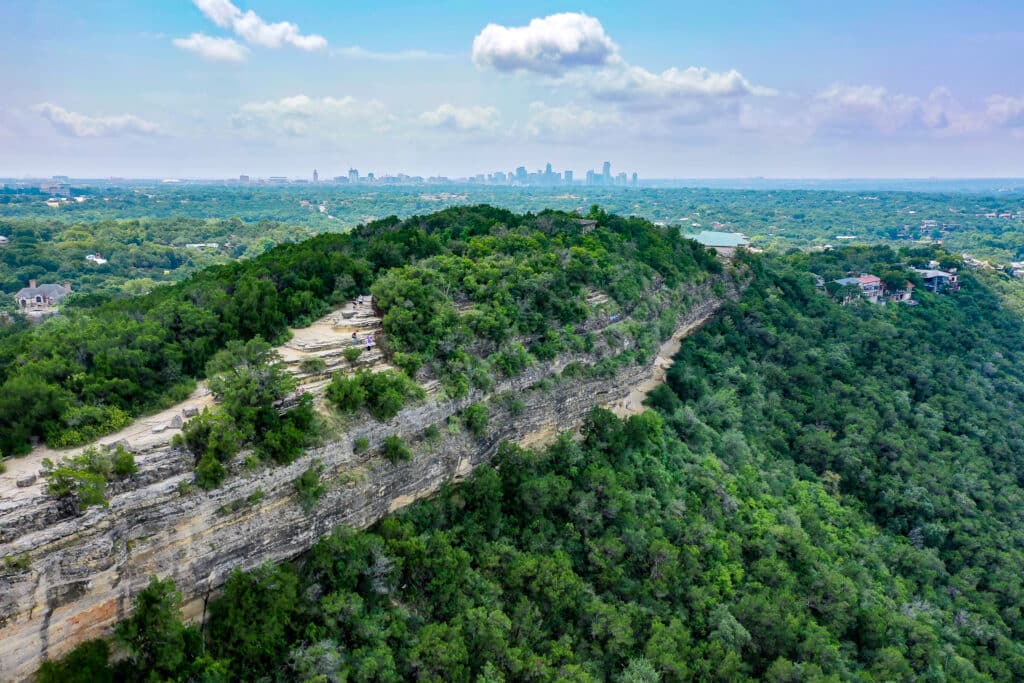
(84, 573)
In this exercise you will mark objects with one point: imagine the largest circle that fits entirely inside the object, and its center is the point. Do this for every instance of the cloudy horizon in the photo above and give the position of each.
(217, 88)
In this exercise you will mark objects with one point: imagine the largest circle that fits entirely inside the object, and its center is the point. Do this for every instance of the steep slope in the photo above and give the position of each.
(821, 493)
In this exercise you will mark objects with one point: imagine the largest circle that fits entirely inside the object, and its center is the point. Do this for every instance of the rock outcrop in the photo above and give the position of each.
(66, 580)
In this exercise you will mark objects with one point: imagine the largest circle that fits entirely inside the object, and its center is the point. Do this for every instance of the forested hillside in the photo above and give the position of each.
(819, 493)
(461, 291)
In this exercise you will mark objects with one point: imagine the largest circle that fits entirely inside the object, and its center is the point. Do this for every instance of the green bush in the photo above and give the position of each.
(346, 393)
(360, 444)
(476, 417)
(81, 481)
(352, 354)
(210, 473)
(309, 487)
(84, 424)
(410, 363)
(511, 360)
(395, 450)
(383, 393)
(432, 434)
(312, 366)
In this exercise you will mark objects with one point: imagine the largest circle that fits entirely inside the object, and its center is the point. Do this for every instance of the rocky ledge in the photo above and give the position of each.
(64, 581)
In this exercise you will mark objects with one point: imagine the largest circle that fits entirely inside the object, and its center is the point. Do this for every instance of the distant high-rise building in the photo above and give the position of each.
(316, 176)
(243, 178)
(353, 175)
(591, 177)
(370, 177)
(636, 180)
(568, 177)
(521, 175)
(607, 173)
(620, 179)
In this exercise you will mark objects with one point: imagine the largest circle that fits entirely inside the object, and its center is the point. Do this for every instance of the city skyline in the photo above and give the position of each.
(208, 87)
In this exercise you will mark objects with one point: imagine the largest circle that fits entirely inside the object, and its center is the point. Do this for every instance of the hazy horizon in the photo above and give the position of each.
(217, 88)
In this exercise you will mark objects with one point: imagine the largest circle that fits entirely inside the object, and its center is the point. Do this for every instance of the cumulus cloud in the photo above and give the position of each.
(301, 115)
(558, 46)
(1005, 111)
(550, 45)
(853, 107)
(83, 126)
(460, 118)
(250, 27)
(636, 84)
(213, 49)
(566, 121)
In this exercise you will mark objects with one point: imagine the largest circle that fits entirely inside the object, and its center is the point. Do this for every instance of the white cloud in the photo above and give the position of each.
(83, 126)
(460, 118)
(547, 46)
(634, 83)
(568, 121)
(856, 107)
(301, 115)
(254, 30)
(1005, 111)
(213, 49)
(557, 45)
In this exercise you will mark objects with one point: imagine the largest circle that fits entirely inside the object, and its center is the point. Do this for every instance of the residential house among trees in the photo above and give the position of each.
(939, 281)
(870, 287)
(41, 297)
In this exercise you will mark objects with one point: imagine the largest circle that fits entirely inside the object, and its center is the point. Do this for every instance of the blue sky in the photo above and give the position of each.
(215, 88)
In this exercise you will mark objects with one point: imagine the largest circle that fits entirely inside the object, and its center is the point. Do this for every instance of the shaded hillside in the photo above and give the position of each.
(822, 493)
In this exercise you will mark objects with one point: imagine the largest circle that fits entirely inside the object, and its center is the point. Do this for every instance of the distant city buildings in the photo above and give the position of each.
(520, 177)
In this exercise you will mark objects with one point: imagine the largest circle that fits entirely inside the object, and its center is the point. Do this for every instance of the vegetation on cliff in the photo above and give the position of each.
(455, 288)
(820, 493)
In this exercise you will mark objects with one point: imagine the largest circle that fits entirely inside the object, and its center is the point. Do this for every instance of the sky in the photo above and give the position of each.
(779, 89)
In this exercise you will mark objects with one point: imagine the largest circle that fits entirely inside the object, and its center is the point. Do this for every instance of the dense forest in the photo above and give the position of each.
(985, 223)
(818, 493)
(139, 254)
(460, 292)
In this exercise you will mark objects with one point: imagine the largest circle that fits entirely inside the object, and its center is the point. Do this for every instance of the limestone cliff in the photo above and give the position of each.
(74, 578)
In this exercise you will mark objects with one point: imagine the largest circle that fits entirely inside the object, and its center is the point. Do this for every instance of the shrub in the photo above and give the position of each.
(476, 417)
(309, 486)
(346, 393)
(410, 363)
(383, 393)
(352, 354)
(210, 473)
(313, 366)
(511, 360)
(360, 444)
(395, 450)
(83, 424)
(432, 434)
(81, 481)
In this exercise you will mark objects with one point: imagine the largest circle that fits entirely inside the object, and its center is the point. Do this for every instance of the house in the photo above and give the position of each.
(939, 281)
(903, 296)
(96, 258)
(42, 297)
(725, 243)
(870, 287)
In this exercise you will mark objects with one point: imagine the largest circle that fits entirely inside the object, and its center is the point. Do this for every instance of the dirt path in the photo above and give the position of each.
(633, 404)
(326, 338)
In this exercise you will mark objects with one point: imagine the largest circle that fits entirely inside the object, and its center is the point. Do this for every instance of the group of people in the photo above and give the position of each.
(355, 335)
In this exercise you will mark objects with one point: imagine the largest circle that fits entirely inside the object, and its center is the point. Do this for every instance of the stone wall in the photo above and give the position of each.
(83, 573)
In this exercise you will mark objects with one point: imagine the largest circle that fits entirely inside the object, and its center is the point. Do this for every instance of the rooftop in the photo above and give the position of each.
(712, 238)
